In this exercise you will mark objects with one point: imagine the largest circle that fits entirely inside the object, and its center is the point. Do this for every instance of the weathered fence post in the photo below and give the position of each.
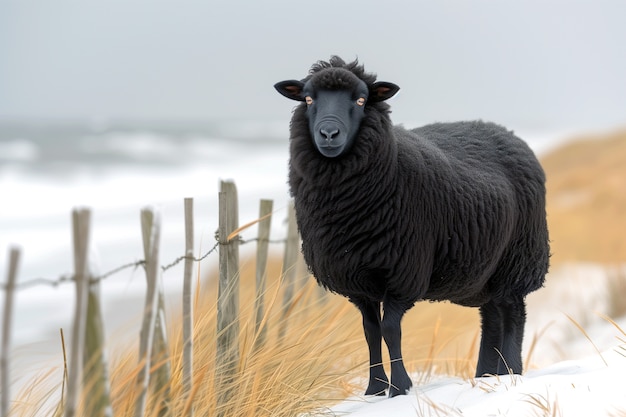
(160, 378)
(80, 226)
(151, 232)
(95, 373)
(227, 355)
(289, 267)
(262, 250)
(187, 306)
(9, 290)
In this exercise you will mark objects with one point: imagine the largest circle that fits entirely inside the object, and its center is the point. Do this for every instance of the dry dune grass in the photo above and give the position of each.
(321, 360)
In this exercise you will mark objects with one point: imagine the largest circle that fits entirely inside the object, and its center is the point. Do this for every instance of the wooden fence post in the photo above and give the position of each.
(161, 375)
(262, 250)
(151, 232)
(80, 225)
(9, 291)
(95, 373)
(227, 355)
(289, 267)
(187, 305)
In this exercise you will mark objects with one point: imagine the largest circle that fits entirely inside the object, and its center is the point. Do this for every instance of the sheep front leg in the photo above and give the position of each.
(392, 333)
(378, 381)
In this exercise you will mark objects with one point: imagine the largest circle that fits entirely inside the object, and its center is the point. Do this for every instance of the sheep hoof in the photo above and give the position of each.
(377, 387)
(380, 393)
(401, 387)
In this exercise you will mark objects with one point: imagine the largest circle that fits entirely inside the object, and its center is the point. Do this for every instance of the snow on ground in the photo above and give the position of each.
(588, 387)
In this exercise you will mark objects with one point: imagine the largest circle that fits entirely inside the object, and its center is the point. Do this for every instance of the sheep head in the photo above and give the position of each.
(336, 101)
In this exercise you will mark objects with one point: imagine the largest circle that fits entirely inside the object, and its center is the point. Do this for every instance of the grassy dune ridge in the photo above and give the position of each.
(323, 357)
(586, 199)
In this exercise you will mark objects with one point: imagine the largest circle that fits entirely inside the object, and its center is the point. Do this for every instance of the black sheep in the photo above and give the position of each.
(448, 211)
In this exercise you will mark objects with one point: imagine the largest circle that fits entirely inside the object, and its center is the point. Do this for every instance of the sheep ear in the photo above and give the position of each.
(382, 90)
(291, 89)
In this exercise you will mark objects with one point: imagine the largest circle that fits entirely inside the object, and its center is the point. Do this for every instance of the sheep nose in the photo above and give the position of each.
(329, 133)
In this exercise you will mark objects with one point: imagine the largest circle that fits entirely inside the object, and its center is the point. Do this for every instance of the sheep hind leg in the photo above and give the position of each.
(492, 337)
(514, 315)
(378, 382)
(392, 333)
(502, 336)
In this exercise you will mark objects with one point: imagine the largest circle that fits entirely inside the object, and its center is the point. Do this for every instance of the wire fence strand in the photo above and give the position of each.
(134, 265)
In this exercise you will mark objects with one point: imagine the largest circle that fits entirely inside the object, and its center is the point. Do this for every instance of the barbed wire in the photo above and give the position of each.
(70, 277)
(181, 258)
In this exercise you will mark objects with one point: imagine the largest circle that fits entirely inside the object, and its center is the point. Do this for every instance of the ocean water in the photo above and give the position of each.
(46, 170)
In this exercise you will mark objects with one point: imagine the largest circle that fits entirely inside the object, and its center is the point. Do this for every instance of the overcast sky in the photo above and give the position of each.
(539, 64)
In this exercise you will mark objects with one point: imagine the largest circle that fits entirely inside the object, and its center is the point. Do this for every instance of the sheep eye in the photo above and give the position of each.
(360, 101)
(308, 100)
